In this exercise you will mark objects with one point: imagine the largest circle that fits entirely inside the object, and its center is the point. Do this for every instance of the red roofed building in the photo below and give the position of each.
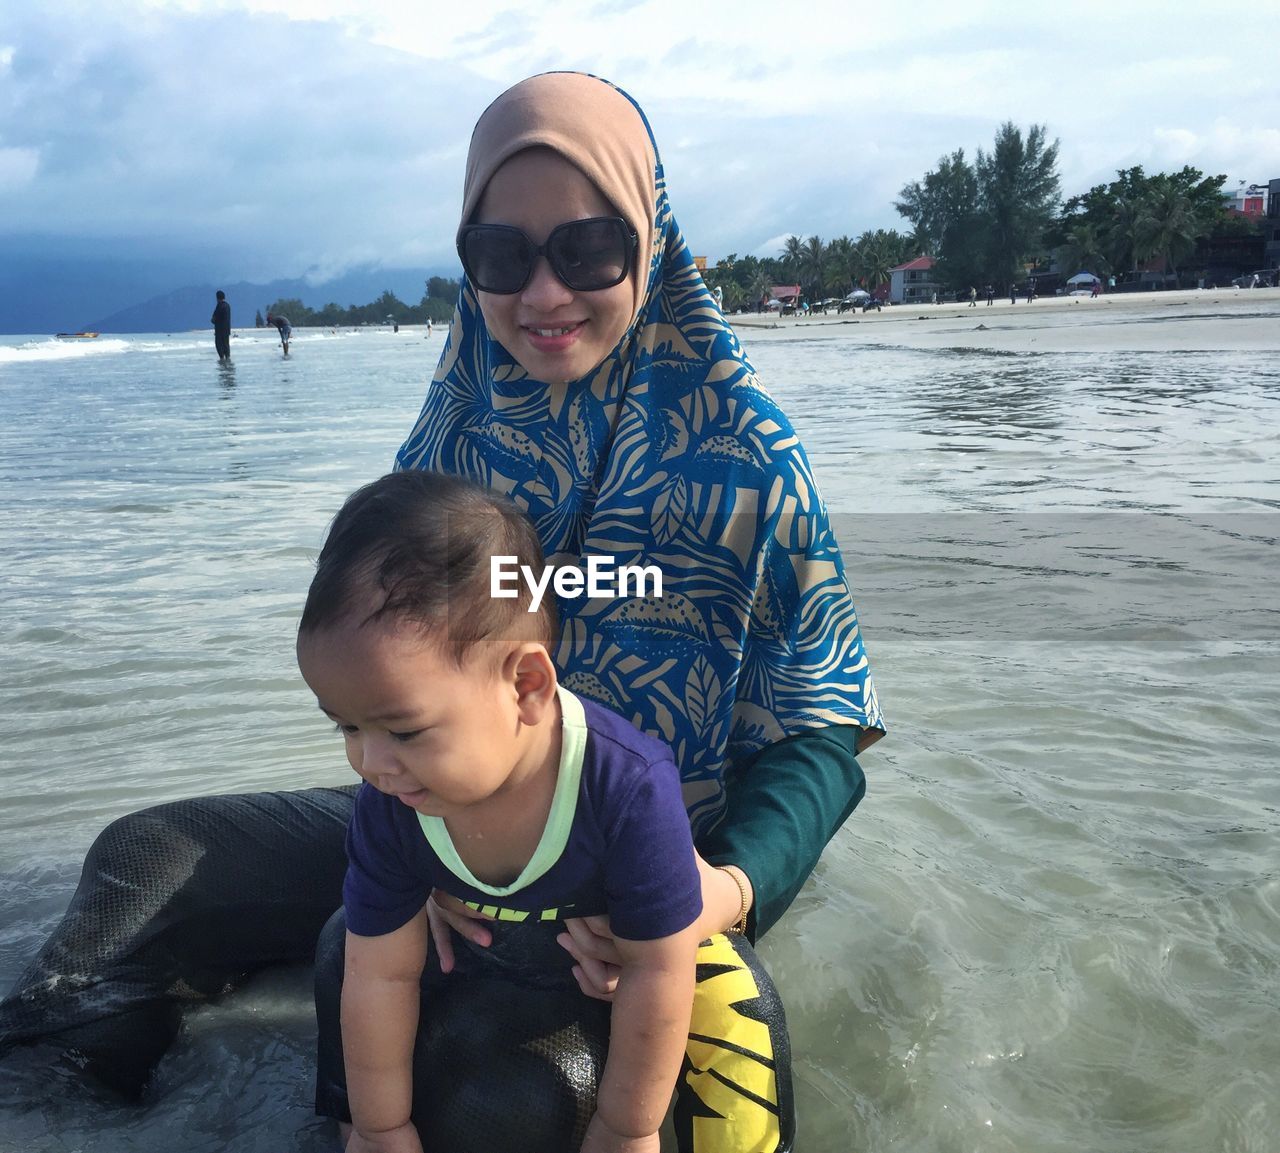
(913, 282)
(787, 295)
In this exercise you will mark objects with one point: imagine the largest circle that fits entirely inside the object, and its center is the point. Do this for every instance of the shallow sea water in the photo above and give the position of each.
(1053, 924)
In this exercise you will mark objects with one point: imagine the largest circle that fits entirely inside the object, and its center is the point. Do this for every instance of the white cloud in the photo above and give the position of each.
(316, 134)
(1176, 146)
(773, 246)
(18, 167)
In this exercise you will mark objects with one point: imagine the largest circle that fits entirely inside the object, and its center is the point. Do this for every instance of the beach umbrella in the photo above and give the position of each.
(1082, 278)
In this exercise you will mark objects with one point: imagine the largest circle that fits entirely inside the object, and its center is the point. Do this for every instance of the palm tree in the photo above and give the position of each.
(1084, 249)
(922, 244)
(813, 267)
(1168, 226)
(760, 285)
(1124, 237)
(793, 255)
(842, 260)
(878, 254)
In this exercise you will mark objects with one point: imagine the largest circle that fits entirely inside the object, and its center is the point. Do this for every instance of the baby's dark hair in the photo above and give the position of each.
(416, 546)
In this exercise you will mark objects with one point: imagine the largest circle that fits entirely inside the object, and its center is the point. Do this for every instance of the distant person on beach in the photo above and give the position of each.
(463, 786)
(991, 295)
(283, 327)
(221, 321)
(1013, 294)
(973, 297)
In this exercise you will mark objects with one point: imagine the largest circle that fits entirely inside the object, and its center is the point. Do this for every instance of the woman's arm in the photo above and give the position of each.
(380, 1004)
(782, 808)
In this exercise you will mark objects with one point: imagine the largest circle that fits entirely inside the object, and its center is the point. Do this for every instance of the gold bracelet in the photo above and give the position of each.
(741, 925)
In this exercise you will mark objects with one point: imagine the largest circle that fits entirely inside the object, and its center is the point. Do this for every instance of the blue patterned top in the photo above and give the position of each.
(670, 453)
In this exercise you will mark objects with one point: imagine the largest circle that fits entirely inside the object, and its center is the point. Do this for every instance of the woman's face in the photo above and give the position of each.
(557, 334)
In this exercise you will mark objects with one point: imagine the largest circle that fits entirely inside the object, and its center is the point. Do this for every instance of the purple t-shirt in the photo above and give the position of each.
(621, 845)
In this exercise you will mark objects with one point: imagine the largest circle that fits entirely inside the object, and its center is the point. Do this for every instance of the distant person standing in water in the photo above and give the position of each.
(284, 327)
(221, 321)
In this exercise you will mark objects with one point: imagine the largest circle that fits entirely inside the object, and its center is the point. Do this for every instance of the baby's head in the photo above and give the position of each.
(442, 691)
(415, 548)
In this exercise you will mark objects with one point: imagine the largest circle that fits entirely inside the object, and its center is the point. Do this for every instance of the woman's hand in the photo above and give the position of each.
(446, 912)
(589, 940)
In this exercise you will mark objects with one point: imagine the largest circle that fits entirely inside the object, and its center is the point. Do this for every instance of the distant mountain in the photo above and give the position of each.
(191, 307)
(51, 284)
(64, 284)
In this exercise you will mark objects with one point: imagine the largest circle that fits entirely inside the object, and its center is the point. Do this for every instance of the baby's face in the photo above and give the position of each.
(416, 726)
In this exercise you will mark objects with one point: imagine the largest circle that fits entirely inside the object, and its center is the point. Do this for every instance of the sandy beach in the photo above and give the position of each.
(1193, 320)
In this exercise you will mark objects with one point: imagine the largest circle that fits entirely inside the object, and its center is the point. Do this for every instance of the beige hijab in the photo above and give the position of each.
(594, 127)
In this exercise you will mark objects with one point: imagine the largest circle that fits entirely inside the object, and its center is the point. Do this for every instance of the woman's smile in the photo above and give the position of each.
(552, 339)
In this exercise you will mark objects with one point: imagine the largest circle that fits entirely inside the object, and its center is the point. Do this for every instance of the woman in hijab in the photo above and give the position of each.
(589, 375)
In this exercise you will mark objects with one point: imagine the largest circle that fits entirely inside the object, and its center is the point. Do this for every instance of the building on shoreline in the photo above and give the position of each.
(786, 296)
(1247, 200)
(913, 282)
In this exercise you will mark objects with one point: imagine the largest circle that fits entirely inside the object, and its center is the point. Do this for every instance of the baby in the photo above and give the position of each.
(488, 781)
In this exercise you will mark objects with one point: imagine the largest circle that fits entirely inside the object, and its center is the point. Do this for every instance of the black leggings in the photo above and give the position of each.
(181, 902)
(509, 1051)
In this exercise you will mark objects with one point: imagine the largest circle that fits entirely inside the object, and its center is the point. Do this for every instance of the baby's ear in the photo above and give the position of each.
(534, 677)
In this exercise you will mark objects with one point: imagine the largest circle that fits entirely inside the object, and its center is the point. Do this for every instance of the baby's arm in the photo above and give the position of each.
(379, 1023)
(648, 1034)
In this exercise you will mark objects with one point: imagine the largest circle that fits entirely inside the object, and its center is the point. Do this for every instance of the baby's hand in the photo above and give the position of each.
(401, 1140)
(601, 1139)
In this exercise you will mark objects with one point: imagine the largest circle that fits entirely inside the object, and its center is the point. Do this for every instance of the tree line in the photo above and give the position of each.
(985, 221)
(990, 219)
(436, 306)
(1136, 217)
(835, 267)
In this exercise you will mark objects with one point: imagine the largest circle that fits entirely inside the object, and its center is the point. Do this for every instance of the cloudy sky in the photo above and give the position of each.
(270, 138)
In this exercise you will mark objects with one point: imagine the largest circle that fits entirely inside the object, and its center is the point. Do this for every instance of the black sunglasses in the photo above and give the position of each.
(587, 255)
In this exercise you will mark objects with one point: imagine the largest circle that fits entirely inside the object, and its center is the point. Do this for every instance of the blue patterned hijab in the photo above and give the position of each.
(669, 453)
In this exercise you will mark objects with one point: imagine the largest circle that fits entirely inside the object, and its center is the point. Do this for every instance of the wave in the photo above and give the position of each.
(50, 348)
(169, 345)
(54, 349)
